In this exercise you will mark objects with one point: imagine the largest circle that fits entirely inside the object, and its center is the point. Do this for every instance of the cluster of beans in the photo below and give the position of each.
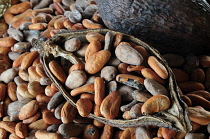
(31, 105)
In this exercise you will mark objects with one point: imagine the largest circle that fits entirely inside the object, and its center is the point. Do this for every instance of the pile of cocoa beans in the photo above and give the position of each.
(32, 107)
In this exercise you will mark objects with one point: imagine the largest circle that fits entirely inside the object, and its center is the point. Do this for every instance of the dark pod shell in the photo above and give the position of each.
(178, 26)
(175, 117)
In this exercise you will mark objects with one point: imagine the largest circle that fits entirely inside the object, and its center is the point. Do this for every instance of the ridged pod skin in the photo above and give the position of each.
(171, 26)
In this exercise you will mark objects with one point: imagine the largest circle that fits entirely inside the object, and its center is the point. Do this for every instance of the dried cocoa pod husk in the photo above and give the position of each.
(175, 117)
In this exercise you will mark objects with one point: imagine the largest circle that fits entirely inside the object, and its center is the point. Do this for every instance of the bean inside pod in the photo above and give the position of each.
(115, 74)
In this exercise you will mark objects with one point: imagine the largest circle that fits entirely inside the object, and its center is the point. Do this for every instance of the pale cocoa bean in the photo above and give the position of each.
(31, 34)
(155, 88)
(113, 61)
(18, 80)
(81, 52)
(195, 135)
(24, 26)
(112, 86)
(126, 92)
(125, 53)
(16, 34)
(45, 81)
(74, 16)
(75, 79)
(128, 106)
(14, 118)
(57, 111)
(89, 11)
(14, 107)
(135, 110)
(108, 73)
(8, 75)
(23, 99)
(14, 55)
(53, 128)
(142, 132)
(72, 44)
(141, 96)
(108, 41)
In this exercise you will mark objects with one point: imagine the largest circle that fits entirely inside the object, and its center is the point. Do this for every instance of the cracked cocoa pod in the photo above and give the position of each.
(175, 117)
(170, 26)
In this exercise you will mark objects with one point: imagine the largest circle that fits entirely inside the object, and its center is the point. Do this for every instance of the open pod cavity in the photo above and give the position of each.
(175, 117)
